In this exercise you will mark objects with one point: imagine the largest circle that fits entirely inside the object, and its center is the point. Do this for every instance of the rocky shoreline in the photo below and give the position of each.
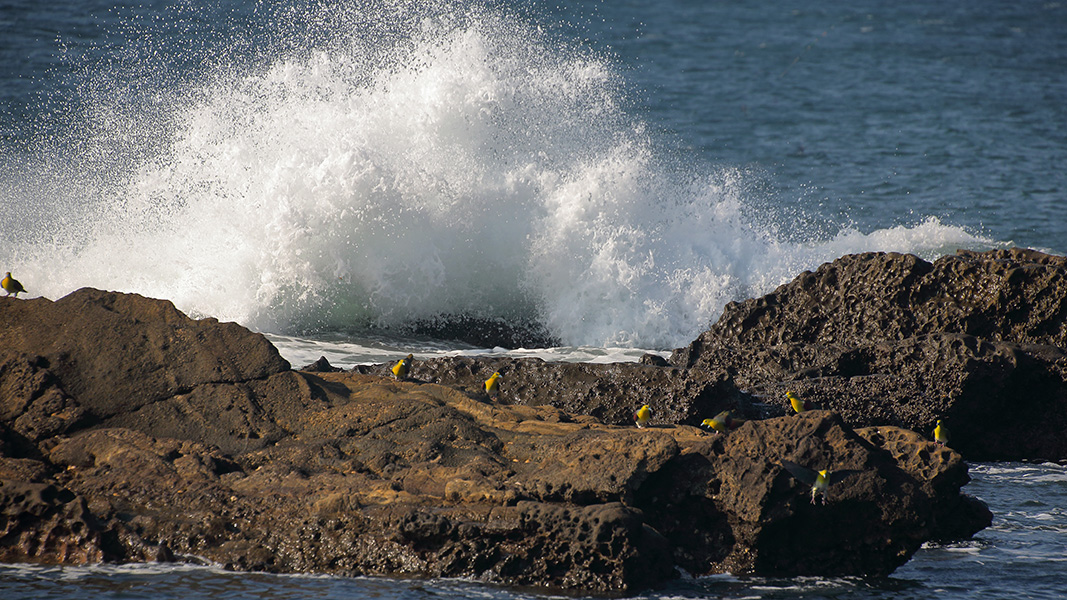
(977, 339)
(129, 432)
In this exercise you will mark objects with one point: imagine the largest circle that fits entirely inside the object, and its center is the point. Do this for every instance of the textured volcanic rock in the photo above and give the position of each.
(978, 339)
(609, 392)
(94, 355)
(42, 523)
(130, 432)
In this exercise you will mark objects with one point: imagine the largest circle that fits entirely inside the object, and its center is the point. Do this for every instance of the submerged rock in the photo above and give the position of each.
(131, 432)
(976, 339)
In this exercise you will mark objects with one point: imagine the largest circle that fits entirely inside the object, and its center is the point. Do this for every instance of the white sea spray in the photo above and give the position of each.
(415, 162)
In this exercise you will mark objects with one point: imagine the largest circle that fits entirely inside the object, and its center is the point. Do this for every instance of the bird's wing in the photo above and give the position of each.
(804, 474)
(723, 416)
(838, 476)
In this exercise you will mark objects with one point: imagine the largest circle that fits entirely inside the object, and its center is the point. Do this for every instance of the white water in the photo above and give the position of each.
(460, 161)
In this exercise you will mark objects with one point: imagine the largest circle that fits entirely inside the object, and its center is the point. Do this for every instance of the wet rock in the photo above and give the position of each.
(484, 332)
(320, 366)
(977, 339)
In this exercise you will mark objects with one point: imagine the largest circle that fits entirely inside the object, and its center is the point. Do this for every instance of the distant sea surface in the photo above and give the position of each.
(332, 173)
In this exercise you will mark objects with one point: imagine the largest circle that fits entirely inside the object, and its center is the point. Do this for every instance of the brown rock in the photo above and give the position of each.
(116, 353)
(262, 468)
(423, 480)
(40, 522)
(610, 393)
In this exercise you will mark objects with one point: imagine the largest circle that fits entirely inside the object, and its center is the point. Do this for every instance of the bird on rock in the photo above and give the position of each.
(799, 405)
(492, 386)
(941, 434)
(11, 285)
(820, 481)
(722, 422)
(401, 369)
(643, 416)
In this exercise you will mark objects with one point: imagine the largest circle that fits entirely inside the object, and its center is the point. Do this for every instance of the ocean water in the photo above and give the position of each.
(1021, 555)
(329, 172)
(613, 172)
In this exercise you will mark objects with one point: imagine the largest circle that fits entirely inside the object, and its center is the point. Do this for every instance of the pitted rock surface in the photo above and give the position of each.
(978, 339)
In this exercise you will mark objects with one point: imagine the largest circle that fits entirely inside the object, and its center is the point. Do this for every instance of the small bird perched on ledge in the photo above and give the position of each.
(941, 434)
(11, 285)
(643, 416)
(492, 386)
(799, 405)
(401, 369)
(820, 481)
(722, 422)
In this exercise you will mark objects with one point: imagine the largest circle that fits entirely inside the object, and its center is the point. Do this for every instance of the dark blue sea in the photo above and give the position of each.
(329, 172)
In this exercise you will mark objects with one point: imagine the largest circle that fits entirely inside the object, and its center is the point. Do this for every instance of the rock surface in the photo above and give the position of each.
(609, 392)
(130, 432)
(978, 339)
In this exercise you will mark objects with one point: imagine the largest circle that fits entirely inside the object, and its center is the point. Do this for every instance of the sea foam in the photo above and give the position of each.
(408, 165)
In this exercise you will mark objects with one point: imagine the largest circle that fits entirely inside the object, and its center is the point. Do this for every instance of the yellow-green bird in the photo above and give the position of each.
(401, 369)
(820, 481)
(722, 422)
(643, 416)
(11, 285)
(941, 434)
(492, 386)
(799, 405)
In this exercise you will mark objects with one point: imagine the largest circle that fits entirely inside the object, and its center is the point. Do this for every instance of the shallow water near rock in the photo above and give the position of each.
(1020, 556)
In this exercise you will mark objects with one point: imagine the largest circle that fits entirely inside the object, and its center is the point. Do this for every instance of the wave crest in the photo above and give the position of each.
(459, 161)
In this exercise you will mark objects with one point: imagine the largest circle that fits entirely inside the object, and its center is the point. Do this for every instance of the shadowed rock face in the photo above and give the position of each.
(978, 339)
(183, 438)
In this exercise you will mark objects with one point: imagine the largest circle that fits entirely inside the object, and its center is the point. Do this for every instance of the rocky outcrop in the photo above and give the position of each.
(92, 358)
(191, 439)
(978, 339)
(609, 392)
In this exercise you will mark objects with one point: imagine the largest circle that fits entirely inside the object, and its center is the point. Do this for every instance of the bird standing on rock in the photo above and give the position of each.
(820, 481)
(401, 369)
(941, 434)
(492, 386)
(799, 405)
(643, 416)
(11, 285)
(722, 422)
